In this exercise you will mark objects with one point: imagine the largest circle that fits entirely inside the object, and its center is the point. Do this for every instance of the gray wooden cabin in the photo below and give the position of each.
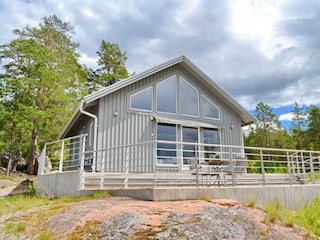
(174, 102)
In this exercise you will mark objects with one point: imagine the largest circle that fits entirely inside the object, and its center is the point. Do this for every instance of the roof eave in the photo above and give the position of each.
(125, 82)
(246, 117)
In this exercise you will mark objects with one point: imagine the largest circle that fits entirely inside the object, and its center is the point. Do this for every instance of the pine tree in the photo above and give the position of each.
(42, 82)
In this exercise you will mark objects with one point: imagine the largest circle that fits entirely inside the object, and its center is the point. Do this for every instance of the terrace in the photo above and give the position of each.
(157, 164)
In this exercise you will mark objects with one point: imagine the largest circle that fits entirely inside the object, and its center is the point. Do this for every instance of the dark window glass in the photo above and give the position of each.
(209, 110)
(189, 135)
(142, 100)
(167, 95)
(189, 99)
(166, 152)
(211, 136)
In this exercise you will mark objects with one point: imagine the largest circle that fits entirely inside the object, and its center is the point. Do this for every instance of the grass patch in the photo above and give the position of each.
(4, 177)
(205, 198)
(45, 235)
(13, 204)
(149, 233)
(33, 221)
(251, 203)
(96, 195)
(316, 176)
(8, 227)
(14, 228)
(89, 231)
(309, 216)
(20, 227)
(277, 213)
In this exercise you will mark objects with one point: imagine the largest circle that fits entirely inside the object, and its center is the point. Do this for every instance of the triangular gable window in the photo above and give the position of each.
(142, 100)
(209, 110)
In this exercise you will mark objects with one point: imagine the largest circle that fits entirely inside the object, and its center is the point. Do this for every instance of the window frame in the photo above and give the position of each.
(176, 146)
(180, 95)
(136, 93)
(210, 102)
(175, 77)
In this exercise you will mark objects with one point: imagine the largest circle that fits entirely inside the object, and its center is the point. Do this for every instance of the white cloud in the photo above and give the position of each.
(286, 117)
(262, 50)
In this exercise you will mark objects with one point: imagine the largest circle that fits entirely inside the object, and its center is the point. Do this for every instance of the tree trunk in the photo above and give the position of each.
(8, 170)
(33, 158)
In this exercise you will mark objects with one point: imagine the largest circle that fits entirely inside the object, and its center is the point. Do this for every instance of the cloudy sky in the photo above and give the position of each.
(257, 50)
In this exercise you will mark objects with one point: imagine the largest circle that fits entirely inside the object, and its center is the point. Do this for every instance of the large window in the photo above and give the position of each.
(189, 99)
(209, 110)
(174, 96)
(142, 100)
(166, 91)
(166, 152)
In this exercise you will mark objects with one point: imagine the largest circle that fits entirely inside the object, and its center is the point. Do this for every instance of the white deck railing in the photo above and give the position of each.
(180, 162)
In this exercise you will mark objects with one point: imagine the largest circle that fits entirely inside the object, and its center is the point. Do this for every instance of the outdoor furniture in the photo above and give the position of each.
(213, 174)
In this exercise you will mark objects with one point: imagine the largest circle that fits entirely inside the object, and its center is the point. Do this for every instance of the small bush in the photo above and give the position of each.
(20, 227)
(8, 228)
(45, 236)
(251, 203)
(276, 212)
(205, 198)
(288, 218)
(14, 228)
(273, 211)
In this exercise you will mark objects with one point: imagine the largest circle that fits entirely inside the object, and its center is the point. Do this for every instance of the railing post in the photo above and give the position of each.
(297, 163)
(102, 169)
(154, 152)
(233, 176)
(126, 168)
(289, 168)
(197, 169)
(61, 157)
(81, 170)
(312, 169)
(303, 168)
(262, 168)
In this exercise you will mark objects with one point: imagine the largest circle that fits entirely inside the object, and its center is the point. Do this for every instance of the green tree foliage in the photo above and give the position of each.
(298, 126)
(41, 84)
(313, 130)
(267, 123)
(304, 131)
(112, 67)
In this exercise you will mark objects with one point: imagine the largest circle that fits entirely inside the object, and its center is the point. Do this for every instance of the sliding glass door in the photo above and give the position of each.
(167, 152)
(211, 139)
(189, 135)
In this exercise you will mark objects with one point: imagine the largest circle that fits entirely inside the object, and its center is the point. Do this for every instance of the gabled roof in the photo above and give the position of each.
(246, 117)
